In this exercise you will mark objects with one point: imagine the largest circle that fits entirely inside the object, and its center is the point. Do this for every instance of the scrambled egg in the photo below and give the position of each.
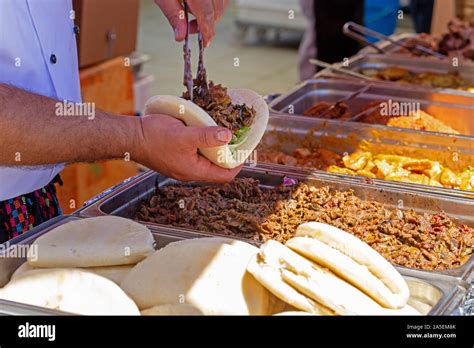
(405, 169)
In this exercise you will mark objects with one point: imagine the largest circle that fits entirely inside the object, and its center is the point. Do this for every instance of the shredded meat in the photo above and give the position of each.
(218, 105)
(244, 209)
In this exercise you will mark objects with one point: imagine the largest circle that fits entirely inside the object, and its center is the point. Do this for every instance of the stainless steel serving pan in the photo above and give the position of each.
(454, 110)
(288, 133)
(126, 200)
(394, 50)
(378, 61)
(431, 294)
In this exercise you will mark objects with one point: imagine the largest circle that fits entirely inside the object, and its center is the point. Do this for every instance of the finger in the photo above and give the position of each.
(203, 10)
(174, 12)
(218, 9)
(204, 170)
(196, 137)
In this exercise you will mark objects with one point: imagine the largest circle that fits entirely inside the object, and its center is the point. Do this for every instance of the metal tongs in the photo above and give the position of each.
(360, 33)
(347, 98)
(340, 70)
(201, 78)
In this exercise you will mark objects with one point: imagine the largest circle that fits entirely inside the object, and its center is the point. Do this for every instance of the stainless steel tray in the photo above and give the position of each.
(454, 110)
(126, 200)
(430, 293)
(287, 133)
(379, 61)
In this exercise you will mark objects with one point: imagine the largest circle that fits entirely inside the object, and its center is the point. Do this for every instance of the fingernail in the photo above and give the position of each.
(223, 136)
(176, 33)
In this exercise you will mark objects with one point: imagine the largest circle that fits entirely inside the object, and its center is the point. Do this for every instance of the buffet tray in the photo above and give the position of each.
(126, 200)
(454, 110)
(432, 294)
(288, 133)
(380, 61)
(393, 49)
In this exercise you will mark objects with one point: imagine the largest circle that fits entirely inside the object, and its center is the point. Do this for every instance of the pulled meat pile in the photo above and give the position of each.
(243, 209)
(218, 104)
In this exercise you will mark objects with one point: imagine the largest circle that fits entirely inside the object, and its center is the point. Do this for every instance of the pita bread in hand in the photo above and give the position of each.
(227, 156)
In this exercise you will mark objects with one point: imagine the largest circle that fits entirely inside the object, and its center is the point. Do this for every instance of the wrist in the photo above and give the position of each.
(136, 139)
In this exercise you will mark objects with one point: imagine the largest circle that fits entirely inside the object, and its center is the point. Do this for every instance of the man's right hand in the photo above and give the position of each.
(169, 147)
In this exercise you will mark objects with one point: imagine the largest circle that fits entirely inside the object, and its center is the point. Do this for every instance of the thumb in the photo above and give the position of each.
(175, 14)
(202, 137)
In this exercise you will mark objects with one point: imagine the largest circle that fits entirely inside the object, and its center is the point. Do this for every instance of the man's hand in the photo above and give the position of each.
(167, 146)
(159, 142)
(207, 13)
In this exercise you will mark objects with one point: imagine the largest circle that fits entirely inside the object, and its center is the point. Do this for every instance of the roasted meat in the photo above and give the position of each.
(324, 110)
(458, 41)
(426, 78)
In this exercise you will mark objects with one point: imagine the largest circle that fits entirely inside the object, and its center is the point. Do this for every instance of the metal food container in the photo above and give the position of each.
(454, 110)
(394, 49)
(379, 61)
(431, 294)
(126, 200)
(285, 134)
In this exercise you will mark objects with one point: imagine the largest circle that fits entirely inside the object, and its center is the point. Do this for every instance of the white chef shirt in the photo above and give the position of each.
(33, 35)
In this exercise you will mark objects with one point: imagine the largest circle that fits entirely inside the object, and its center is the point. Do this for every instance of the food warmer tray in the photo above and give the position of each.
(126, 200)
(393, 49)
(287, 133)
(380, 61)
(454, 110)
(434, 293)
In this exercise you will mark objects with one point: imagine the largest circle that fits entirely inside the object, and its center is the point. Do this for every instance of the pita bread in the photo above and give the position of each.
(227, 156)
(207, 273)
(316, 283)
(386, 285)
(346, 268)
(24, 268)
(271, 278)
(293, 313)
(93, 242)
(172, 309)
(69, 290)
(406, 310)
(114, 273)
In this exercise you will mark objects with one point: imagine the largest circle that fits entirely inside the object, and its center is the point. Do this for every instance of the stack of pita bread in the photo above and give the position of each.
(325, 270)
(77, 266)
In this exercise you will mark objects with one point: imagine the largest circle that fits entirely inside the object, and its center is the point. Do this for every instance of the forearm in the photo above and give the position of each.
(32, 132)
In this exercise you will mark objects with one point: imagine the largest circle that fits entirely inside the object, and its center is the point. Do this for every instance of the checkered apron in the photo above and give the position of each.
(22, 213)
